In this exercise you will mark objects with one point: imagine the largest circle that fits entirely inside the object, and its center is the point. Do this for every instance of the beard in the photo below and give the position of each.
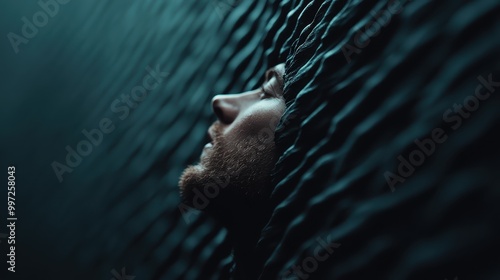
(230, 175)
(232, 183)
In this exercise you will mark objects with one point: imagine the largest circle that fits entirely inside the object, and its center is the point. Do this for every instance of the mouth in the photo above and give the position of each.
(211, 133)
(210, 144)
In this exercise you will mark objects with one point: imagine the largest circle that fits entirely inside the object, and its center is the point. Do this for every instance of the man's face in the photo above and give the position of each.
(236, 164)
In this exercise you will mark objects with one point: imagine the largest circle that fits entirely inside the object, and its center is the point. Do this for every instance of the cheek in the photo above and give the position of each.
(257, 121)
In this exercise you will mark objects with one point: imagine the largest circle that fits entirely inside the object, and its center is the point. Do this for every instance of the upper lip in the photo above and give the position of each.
(210, 134)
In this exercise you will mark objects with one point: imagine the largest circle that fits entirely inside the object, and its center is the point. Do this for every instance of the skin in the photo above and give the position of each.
(232, 181)
(241, 152)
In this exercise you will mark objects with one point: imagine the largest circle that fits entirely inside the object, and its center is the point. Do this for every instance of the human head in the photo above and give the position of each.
(234, 168)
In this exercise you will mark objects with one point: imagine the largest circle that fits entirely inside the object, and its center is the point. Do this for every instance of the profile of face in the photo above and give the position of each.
(235, 166)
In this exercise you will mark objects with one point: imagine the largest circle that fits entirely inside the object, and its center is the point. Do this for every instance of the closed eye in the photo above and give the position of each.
(265, 93)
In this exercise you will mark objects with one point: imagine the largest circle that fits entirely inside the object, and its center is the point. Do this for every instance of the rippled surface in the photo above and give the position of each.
(346, 125)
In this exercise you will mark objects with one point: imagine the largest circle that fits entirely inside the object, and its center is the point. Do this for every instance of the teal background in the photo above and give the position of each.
(116, 208)
(345, 126)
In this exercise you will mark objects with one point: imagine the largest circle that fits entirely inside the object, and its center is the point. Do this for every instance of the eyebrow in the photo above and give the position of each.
(273, 73)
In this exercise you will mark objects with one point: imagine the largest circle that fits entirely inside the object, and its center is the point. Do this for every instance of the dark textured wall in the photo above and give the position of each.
(359, 94)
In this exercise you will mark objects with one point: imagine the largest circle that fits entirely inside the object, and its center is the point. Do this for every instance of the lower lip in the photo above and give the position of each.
(207, 146)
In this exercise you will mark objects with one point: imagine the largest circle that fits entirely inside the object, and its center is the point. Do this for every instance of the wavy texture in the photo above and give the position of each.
(345, 125)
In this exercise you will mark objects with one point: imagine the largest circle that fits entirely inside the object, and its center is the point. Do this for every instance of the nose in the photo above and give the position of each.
(225, 108)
